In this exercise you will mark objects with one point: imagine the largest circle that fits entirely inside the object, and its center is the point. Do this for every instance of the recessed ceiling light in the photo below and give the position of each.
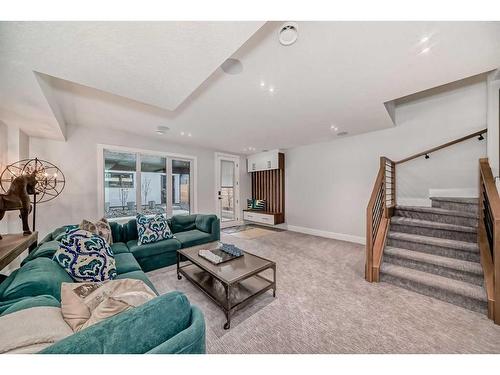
(162, 130)
(262, 83)
(271, 89)
(189, 134)
(182, 133)
(334, 128)
(425, 50)
(424, 39)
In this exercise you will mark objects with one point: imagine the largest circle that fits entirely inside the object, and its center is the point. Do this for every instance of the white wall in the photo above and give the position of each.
(77, 158)
(3, 163)
(328, 185)
(493, 118)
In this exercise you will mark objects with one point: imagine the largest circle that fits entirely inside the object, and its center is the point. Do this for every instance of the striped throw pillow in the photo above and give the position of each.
(259, 204)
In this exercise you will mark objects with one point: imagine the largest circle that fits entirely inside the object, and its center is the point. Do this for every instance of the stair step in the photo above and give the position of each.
(432, 245)
(433, 229)
(469, 296)
(440, 215)
(458, 204)
(457, 269)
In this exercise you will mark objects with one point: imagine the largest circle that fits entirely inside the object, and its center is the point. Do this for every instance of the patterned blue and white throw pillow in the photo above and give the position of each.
(152, 229)
(249, 204)
(86, 257)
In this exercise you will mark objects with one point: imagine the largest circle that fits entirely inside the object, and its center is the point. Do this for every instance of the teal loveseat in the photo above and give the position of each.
(167, 324)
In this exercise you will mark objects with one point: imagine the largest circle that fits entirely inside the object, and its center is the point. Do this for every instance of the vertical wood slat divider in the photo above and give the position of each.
(269, 185)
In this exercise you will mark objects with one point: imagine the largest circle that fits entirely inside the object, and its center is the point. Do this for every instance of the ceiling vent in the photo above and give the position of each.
(288, 33)
(232, 66)
(162, 130)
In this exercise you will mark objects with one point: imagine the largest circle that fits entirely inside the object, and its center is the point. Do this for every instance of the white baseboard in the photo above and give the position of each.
(326, 234)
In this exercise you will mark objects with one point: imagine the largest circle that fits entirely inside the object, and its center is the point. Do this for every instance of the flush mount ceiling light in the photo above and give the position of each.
(232, 66)
(162, 130)
(288, 33)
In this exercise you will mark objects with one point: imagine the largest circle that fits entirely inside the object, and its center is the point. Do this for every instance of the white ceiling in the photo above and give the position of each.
(341, 73)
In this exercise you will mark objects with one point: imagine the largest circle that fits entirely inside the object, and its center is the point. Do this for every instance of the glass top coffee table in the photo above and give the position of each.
(231, 285)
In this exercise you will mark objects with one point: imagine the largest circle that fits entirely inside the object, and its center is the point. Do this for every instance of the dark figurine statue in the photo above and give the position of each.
(17, 198)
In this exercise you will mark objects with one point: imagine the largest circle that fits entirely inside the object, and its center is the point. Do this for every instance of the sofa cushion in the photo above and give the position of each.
(129, 230)
(119, 248)
(29, 302)
(86, 257)
(41, 276)
(160, 247)
(46, 250)
(151, 229)
(193, 237)
(181, 223)
(116, 231)
(204, 222)
(125, 262)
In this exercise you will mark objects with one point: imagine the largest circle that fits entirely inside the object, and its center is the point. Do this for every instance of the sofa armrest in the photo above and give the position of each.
(134, 331)
(216, 229)
(189, 341)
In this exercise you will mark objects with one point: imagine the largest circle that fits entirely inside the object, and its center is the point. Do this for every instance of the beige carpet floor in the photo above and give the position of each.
(324, 305)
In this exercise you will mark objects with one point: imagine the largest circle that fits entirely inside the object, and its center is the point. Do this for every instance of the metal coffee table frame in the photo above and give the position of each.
(225, 303)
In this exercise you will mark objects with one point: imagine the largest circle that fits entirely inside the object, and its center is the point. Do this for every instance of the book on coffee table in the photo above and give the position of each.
(223, 253)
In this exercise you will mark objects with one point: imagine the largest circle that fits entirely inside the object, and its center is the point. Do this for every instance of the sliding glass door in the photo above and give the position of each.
(147, 183)
(181, 186)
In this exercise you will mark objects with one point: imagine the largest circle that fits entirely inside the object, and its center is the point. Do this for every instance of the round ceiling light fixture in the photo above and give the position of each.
(232, 66)
(288, 33)
(162, 130)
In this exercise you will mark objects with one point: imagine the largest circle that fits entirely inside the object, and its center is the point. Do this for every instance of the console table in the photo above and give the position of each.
(12, 245)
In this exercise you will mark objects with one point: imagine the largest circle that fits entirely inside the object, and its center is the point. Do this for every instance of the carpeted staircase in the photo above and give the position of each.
(434, 251)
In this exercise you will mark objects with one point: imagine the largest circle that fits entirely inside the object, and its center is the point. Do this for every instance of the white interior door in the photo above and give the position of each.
(227, 189)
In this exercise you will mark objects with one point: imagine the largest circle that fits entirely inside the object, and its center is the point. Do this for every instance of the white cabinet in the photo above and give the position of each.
(263, 161)
(259, 217)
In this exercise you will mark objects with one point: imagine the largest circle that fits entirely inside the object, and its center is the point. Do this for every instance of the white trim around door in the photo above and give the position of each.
(219, 157)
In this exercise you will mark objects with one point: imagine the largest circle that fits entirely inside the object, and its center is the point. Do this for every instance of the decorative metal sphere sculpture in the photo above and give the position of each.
(50, 179)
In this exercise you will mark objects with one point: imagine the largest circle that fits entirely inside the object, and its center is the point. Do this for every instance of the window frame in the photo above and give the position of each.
(193, 186)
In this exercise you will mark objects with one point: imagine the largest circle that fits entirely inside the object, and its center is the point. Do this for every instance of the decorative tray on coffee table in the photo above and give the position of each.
(223, 253)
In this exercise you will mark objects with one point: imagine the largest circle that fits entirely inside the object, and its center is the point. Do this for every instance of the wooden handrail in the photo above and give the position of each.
(489, 237)
(444, 145)
(378, 211)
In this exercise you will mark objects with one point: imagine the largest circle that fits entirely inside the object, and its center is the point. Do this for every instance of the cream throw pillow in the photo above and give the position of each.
(101, 228)
(31, 330)
(85, 304)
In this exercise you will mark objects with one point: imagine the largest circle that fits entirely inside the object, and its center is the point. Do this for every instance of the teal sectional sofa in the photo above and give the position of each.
(167, 324)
